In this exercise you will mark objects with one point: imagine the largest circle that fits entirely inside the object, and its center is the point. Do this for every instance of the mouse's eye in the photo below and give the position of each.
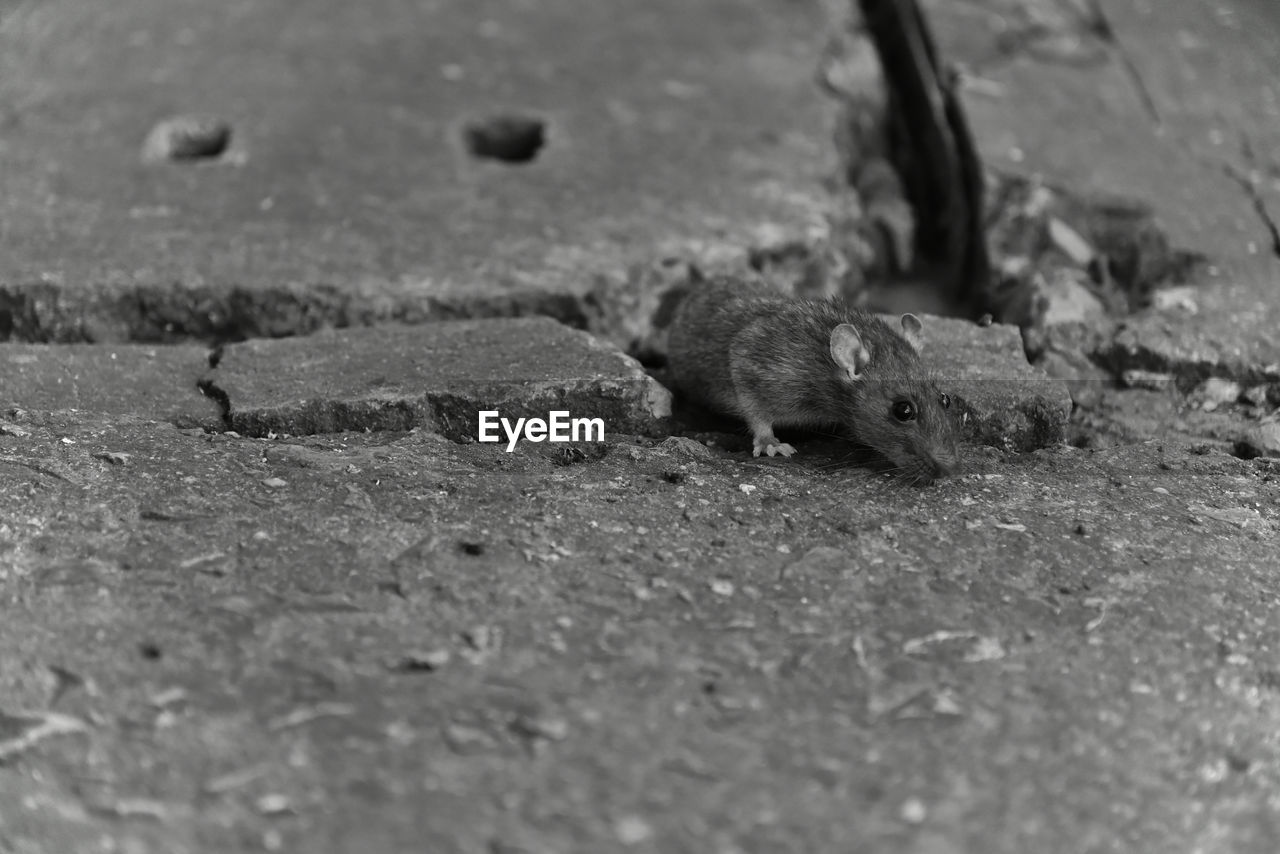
(904, 411)
(945, 400)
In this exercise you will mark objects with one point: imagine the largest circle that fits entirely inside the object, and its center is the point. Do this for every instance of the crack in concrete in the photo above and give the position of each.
(1250, 186)
(41, 312)
(1098, 23)
(1250, 189)
(1245, 182)
(34, 467)
(210, 389)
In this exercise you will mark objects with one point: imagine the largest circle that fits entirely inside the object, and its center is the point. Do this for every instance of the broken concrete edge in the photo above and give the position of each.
(604, 296)
(1027, 420)
(1142, 351)
(629, 407)
(1127, 358)
(632, 402)
(1037, 420)
(173, 313)
(1137, 339)
(1020, 413)
(1127, 352)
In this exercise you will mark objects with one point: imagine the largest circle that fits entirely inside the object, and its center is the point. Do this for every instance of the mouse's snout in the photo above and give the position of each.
(935, 467)
(947, 463)
(931, 471)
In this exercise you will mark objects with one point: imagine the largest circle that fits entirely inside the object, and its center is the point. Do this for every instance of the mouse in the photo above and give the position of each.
(740, 347)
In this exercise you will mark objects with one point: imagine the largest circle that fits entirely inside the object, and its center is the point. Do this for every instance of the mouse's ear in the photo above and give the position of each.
(848, 350)
(913, 331)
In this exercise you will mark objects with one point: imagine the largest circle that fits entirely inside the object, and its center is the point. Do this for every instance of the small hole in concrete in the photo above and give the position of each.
(1245, 451)
(508, 138)
(187, 138)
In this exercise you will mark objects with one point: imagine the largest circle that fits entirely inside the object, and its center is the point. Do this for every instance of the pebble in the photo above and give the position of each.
(912, 811)
(721, 586)
(1070, 301)
(685, 445)
(1215, 392)
(1181, 299)
(1261, 440)
(1070, 242)
(632, 830)
(429, 660)
(547, 727)
(1149, 380)
(273, 804)
(1257, 396)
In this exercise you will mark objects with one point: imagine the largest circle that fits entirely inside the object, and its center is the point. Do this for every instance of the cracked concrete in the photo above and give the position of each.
(435, 376)
(348, 196)
(395, 640)
(438, 376)
(1002, 401)
(1085, 126)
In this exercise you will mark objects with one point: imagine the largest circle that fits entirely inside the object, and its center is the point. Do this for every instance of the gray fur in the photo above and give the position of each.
(740, 348)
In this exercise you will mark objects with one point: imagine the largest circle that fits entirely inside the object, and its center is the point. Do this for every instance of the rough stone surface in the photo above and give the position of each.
(1002, 400)
(1061, 651)
(1179, 109)
(154, 382)
(1262, 439)
(385, 642)
(1188, 358)
(435, 375)
(349, 195)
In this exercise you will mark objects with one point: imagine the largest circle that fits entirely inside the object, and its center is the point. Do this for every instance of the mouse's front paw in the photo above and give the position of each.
(773, 449)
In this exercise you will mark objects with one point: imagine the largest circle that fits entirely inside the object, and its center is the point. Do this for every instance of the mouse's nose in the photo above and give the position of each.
(948, 464)
(944, 467)
(929, 472)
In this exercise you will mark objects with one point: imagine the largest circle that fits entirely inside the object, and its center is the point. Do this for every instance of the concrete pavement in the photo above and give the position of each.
(330, 630)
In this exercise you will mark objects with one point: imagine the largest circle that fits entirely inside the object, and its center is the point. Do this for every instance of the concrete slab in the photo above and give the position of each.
(386, 641)
(438, 376)
(348, 193)
(119, 379)
(1001, 400)
(1161, 111)
(646, 649)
